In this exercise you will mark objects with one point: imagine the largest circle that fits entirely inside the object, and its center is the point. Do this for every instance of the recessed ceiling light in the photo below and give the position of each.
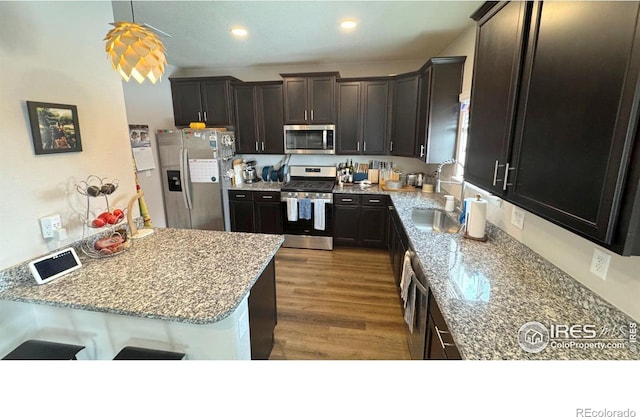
(348, 24)
(239, 32)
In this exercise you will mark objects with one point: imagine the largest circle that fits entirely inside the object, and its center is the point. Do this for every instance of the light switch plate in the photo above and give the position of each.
(517, 217)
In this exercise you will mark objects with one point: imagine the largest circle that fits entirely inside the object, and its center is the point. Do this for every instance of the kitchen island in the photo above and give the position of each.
(178, 290)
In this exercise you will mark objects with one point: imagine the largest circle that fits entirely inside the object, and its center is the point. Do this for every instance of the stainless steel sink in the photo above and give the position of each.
(434, 220)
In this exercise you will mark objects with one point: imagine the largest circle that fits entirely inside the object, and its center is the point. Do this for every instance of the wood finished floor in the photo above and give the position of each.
(339, 304)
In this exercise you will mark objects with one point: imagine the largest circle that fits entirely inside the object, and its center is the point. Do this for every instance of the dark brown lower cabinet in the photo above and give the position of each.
(263, 314)
(439, 342)
(267, 212)
(398, 243)
(255, 211)
(241, 211)
(360, 220)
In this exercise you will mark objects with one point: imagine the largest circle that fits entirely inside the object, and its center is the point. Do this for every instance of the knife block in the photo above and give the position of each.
(373, 175)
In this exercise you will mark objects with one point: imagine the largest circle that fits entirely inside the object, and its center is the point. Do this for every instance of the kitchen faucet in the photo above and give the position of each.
(439, 181)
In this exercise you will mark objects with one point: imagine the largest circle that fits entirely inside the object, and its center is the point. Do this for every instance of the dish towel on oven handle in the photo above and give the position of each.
(292, 209)
(408, 291)
(304, 208)
(318, 213)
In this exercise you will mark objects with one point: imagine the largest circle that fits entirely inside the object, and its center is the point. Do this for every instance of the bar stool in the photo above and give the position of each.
(138, 353)
(42, 350)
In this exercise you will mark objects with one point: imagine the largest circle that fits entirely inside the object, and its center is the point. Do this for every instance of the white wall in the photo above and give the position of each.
(54, 52)
(567, 251)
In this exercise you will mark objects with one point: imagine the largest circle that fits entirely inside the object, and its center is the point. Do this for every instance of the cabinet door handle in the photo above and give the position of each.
(205, 115)
(364, 146)
(374, 200)
(199, 118)
(241, 195)
(305, 115)
(506, 176)
(262, 146)
(311, 114)
(347, 200)
(267, 197)
(391, 148)
(439, 333)
(495, 173)
(358, 146)
(421, 151)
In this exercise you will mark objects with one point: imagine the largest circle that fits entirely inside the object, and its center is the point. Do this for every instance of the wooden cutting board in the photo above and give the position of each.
(406, 188)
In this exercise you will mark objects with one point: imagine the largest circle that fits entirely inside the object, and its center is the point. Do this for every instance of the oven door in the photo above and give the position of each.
(302, 233)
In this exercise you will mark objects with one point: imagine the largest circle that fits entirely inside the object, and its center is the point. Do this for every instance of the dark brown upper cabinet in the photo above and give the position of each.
(440, 85)
(259, 117)
(309, 98)
(500, 40)
(404, 115)
(554, 117)
(205, 100)
(363, 107)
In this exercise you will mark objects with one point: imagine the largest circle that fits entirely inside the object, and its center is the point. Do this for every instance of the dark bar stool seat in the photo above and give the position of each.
(137, 353)
(41, 350)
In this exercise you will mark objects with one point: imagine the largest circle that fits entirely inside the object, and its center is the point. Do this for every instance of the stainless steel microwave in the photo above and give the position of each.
(310, 139)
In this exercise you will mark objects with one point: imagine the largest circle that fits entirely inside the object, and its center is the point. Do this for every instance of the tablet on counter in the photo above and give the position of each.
(54, 265)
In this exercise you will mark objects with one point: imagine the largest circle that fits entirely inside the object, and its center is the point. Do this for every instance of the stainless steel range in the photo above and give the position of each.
(307, 207)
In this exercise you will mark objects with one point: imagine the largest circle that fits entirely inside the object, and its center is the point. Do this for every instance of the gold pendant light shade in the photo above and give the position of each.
(135, 51)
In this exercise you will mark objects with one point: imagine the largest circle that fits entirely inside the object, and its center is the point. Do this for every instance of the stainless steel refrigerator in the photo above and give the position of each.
(193, 165)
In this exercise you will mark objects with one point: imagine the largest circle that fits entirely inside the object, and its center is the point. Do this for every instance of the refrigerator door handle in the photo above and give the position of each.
(186, 180)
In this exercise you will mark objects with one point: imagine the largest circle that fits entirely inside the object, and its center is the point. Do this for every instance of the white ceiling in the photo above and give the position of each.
(300, 32)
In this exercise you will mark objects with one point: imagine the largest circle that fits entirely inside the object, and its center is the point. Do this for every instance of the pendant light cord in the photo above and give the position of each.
(133, 16)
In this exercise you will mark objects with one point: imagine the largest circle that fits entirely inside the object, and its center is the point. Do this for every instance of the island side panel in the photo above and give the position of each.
(104, 334)
(17, 324)
(263, 313)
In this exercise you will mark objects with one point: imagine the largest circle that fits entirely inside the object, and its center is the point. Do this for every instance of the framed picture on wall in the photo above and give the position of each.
(54, 127)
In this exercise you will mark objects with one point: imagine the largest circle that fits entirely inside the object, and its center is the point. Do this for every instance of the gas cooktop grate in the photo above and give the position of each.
(306, 185)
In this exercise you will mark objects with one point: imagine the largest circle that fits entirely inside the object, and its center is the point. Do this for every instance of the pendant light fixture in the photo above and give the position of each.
(136, 51)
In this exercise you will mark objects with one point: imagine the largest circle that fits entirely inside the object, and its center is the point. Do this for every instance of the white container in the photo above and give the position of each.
(477, 218)
(237, 170)
(449, 203)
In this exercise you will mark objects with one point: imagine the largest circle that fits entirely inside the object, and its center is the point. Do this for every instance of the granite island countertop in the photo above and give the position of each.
(487, 290)
(191, 276)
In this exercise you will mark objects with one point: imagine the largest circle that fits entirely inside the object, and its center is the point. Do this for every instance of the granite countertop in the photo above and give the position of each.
(192, 276)
(487, 290)
(345, 189)
(258, 186)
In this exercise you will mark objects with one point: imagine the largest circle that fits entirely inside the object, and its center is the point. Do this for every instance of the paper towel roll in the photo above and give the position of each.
(477, 218)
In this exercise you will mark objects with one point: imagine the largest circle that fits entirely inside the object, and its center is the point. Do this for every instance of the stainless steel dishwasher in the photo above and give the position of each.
(417, 338)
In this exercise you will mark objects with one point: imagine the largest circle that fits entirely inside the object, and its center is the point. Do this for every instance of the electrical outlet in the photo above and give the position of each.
(600, 264)
(517, 217)
(49, 224)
